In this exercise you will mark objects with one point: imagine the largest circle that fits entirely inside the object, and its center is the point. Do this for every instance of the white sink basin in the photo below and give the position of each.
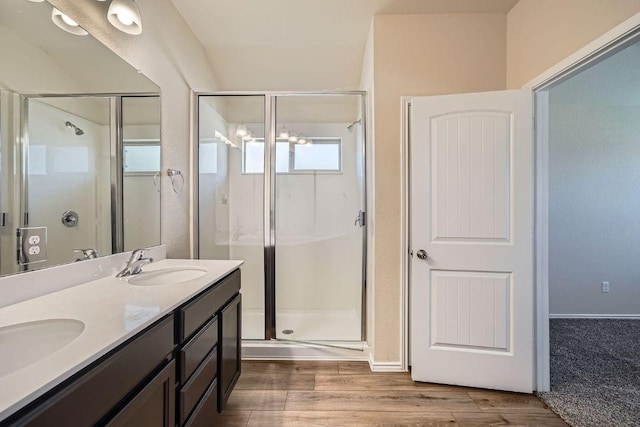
(23, 344)
(167, 276)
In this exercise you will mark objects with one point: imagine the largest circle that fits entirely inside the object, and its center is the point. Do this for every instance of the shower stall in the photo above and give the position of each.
(281, 185)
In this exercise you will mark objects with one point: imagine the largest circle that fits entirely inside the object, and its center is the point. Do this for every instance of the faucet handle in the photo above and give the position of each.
(88, 253)
(138, 254)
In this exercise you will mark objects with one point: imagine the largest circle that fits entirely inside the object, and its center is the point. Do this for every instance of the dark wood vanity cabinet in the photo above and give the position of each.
(133, 382)
(230, 360)
(208, 335)
(178, 371)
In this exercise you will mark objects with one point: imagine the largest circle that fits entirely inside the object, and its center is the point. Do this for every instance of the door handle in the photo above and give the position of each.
(422, 254)
(360, 219)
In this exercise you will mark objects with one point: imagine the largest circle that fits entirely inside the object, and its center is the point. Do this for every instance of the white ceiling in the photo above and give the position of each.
(300, 44)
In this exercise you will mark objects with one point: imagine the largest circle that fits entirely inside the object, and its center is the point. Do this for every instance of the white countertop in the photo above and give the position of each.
(112, 311)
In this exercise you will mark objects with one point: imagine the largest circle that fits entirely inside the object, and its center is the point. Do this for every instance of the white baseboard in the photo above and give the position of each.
(278, 350)
(595, 316)
(385, 366)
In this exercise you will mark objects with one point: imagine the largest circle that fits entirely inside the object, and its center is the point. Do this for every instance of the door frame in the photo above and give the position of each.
(614, 40)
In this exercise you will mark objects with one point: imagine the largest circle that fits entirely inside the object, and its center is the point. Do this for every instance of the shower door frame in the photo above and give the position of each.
(269, 199)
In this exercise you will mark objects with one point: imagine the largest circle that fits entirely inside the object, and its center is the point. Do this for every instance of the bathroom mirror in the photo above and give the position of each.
(79, 143)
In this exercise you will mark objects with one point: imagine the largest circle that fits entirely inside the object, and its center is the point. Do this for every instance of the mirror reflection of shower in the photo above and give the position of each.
(76, 129)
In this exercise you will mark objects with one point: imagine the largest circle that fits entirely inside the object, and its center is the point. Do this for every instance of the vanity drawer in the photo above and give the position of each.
(194, 351)
(206, 412)
(195, 313)
(193, 390)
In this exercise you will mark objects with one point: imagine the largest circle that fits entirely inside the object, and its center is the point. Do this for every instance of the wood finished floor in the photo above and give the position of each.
(348, 394)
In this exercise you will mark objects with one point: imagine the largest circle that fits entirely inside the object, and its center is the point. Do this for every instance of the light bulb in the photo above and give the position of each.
(241, 130)
(302, 140)
(284, 133)
(65, 23)
(293, 137)
(126, 17)
(68, 20)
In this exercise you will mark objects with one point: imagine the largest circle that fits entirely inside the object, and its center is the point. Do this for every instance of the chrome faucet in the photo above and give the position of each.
(135, 263)
(87, 253)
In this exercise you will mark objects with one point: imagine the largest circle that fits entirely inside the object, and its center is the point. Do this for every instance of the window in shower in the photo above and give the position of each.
(141, 158)
(320, 154)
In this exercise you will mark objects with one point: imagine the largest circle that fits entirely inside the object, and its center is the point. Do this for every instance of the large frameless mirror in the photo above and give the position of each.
(79, 145)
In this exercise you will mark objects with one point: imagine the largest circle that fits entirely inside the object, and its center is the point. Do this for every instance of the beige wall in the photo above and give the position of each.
(168, 53)
(418, 55)
(541, 33)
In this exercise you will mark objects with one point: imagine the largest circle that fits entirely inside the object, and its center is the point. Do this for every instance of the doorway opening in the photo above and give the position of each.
(588, 158)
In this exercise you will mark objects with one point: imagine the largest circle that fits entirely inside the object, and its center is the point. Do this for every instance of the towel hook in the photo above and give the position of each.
(173, 173)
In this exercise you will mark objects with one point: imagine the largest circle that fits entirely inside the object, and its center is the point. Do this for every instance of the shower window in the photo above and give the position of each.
(141, 158)
(253, 156)
(322, 155)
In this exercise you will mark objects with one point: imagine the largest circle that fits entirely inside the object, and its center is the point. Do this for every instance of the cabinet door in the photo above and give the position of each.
(229, 348)
(154, 405)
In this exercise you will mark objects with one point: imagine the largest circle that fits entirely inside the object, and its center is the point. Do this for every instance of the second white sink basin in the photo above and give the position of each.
(167, 276)
(23, 344)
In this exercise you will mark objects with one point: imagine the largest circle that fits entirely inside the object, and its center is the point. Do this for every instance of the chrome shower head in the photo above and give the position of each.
(350, 127)
(75, 128)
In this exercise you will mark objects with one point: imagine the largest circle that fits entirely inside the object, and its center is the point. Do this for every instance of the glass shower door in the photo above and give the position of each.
(319, 227)
(231, 188)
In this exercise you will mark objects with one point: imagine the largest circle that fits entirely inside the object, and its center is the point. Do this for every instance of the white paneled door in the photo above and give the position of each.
(472, 217)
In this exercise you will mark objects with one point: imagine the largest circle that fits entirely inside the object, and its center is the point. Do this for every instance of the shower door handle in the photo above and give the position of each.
(361, 219)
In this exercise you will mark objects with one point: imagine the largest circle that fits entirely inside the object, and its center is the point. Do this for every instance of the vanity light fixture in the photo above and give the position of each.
(284, 133)
(125, 16)
(66, 23)
(293, 137)
(302, 140)
(241, 130)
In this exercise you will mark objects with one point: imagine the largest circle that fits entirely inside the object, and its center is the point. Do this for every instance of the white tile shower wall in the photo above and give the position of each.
(68, 172)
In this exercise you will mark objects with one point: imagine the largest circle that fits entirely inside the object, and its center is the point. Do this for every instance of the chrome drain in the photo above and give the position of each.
(287, 331)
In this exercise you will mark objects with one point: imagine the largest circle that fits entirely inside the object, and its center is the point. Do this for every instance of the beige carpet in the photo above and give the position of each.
(595, 372)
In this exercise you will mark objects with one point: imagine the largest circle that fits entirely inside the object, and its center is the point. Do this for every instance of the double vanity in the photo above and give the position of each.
(158, 348)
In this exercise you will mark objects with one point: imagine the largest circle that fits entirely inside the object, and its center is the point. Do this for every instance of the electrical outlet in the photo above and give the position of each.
(605, 287)
(32, 245)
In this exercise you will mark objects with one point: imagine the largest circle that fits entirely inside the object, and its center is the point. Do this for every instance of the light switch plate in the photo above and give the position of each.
(32, 245)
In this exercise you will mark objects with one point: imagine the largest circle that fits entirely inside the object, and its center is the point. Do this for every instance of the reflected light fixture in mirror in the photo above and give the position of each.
(284, 133)
(66, 23)
(125, 16)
